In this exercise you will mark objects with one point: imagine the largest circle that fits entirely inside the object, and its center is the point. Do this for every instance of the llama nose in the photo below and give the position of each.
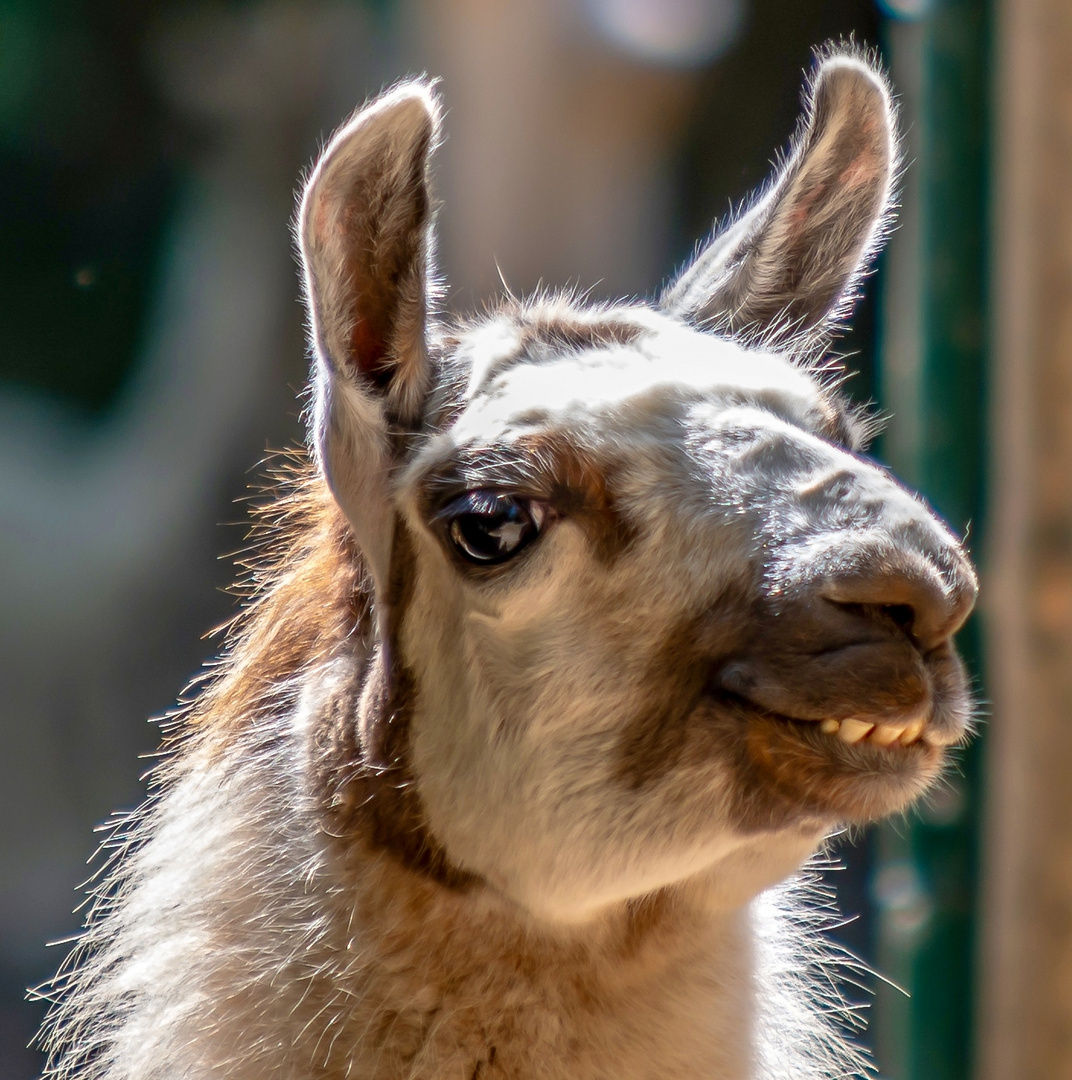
(927, 602)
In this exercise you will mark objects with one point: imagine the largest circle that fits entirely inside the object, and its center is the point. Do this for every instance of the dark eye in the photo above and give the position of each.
(486, 527)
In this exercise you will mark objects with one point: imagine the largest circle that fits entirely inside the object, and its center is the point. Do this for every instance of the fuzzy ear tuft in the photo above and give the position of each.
(787, 268)
(365, 235)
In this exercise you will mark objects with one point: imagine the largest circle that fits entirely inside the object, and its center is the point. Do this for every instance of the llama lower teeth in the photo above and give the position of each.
(830, 727)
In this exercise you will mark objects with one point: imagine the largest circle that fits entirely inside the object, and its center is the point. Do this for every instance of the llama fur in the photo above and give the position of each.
(538, 814)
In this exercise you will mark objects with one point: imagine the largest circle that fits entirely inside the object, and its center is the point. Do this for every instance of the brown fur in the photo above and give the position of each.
(363, 765)
(550, 327)
(305, 549)
(785, 770)
(577, 485)
(302, 547)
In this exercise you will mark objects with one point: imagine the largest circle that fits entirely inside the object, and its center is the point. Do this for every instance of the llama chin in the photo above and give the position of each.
(581, 628)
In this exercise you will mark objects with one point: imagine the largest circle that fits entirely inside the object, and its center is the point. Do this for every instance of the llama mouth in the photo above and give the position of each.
(889, 702)
(856, 768)
(889, 736)
(859, 746)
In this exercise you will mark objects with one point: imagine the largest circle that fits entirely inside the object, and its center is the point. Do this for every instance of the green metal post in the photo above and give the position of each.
(925, 883)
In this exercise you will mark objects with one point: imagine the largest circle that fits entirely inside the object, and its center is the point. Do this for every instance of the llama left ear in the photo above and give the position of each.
(365, 234)
(788, 267)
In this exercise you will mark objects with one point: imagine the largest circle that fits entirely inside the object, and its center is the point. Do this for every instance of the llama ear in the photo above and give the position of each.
(364, 231)
(787, 268)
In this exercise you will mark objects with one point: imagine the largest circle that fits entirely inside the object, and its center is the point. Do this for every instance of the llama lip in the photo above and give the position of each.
(889, 734)
(895, 734)
(881, 681)
(883, 695)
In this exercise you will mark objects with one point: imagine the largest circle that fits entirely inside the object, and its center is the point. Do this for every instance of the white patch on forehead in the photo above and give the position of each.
(670, 360)
(485, 348)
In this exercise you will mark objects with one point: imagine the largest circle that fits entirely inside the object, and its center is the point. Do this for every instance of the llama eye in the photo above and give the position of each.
(486, 527)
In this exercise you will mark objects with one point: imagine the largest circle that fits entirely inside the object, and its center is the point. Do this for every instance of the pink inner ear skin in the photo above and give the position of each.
(861, 171)
(807, 200)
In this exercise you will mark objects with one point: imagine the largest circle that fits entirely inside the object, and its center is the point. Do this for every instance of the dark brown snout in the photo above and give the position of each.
(881, 679)
(869, 639)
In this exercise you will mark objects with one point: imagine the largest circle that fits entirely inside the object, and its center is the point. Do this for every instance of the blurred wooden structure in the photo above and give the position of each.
(1025, 1028)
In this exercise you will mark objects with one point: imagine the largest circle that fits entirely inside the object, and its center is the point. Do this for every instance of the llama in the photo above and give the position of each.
(582, 628)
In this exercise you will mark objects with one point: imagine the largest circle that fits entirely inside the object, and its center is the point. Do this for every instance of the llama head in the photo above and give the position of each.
(645, 614)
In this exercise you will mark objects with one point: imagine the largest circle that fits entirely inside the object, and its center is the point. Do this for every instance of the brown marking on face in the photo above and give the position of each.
(788, 771)
(660, 736)
(574, 329)
(794, 766)
(654, 741)
(547, 329)
(580, 488)
(785, 773)
(812, 660)
(370, 792)
(812, 667)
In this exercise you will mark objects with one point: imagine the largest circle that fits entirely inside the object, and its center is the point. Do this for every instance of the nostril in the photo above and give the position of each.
(900, 616)
(915, 603)
(903, 616)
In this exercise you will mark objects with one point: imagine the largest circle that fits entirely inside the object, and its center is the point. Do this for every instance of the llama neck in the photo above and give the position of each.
(475, 986)
(282, 951)
(441, 976)
(484, 991)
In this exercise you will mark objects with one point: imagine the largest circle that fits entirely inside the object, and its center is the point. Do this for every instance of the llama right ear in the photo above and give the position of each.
(787, 268)
(364, 231)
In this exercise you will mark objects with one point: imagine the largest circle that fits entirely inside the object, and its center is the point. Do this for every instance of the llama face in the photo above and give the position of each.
(646, 614)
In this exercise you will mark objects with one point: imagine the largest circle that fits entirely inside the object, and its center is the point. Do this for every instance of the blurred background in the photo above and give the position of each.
(151, 349)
